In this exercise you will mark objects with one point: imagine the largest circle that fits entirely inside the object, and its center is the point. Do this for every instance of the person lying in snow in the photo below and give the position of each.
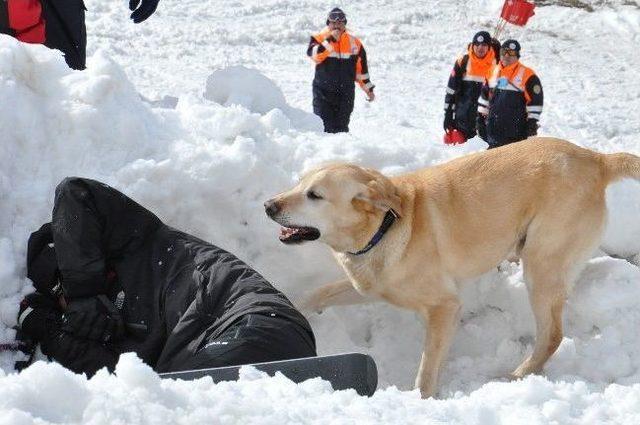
(112, 278)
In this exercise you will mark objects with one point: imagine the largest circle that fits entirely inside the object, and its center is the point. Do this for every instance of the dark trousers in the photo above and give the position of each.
(493, 143)
(334, 107)
(254, 338)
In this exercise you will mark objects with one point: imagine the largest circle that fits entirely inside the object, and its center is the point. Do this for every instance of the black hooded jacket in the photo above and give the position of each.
(178, 290)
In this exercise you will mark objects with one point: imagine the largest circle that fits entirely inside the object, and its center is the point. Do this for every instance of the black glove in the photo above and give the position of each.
(448, 119)
(94, 318)
(142, 9)
(532, 127)
(39, 316)
(481, 126)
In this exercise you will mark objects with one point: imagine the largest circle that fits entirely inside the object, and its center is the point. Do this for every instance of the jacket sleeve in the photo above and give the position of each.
(483, 100)
(93, 223)
(534, 97)
(453, 86)
(483, 110)
(319, 50)
(362, 71)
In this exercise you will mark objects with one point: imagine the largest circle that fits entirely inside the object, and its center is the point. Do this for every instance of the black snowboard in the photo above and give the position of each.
(343, 371)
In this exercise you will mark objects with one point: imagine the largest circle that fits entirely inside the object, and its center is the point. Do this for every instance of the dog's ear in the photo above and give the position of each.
(380, 192)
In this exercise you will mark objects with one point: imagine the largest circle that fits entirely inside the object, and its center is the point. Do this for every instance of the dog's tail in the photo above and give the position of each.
(621, 165)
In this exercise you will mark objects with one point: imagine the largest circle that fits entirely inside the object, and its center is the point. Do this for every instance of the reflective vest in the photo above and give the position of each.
(512, 96)
(479, 69)
(339, 62)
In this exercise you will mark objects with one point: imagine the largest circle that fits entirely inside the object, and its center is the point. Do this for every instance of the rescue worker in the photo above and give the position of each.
(340, 60)
(58, 24)
(112, 278)
(469, 73)
(511, 101)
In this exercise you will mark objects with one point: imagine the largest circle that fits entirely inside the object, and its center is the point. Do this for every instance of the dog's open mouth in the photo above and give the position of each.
(298, 234)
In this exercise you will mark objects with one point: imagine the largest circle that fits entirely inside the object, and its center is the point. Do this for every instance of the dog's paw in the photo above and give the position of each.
(526, 368)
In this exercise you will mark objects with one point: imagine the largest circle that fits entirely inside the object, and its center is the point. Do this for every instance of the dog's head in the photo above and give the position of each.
(337, 204)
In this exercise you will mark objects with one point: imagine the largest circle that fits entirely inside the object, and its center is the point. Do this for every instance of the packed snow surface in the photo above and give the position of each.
(203, 112)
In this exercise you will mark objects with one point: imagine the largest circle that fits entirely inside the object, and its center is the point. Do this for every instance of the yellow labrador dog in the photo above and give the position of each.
(410, 239)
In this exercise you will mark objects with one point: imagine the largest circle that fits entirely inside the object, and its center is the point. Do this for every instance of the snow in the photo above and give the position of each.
(204, 111)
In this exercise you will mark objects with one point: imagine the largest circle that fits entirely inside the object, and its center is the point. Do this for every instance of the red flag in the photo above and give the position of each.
(517, 12)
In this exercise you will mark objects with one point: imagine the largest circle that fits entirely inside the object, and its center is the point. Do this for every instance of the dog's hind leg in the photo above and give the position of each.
(441, 323)
(341, 292)
(547, 299)
(556, 248)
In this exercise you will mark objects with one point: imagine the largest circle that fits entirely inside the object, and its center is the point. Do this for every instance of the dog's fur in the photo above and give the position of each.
(543, 198)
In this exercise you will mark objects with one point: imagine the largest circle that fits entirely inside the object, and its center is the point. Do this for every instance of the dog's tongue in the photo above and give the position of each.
(286, 232)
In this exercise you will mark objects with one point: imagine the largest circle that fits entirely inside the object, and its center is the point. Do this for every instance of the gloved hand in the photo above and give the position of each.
(370, 94)
(94, 318)
(532, 127)
(142, 9)
(448, 123)
(39, 316)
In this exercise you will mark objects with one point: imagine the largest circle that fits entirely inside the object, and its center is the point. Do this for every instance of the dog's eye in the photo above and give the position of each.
(313, 195)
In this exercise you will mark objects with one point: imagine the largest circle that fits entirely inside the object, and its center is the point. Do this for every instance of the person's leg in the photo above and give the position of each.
(323, 108)
(344, 108)
(254, 338)
(66, 31)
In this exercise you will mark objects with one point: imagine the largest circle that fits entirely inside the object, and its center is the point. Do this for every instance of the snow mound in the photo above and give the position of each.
(238, 85)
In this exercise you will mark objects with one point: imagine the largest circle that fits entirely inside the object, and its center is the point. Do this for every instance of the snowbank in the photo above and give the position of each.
(246, 87)
(135, 394)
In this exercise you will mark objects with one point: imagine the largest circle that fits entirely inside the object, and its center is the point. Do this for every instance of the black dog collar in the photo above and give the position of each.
(389, 218)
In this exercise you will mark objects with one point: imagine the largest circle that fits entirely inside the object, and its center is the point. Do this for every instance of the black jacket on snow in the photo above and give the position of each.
(178, 290)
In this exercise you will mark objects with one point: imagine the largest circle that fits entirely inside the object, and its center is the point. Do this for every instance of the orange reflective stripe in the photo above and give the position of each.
(517, 75)
(322, 35)
(321, 39)
(528, 73)
(348, 45)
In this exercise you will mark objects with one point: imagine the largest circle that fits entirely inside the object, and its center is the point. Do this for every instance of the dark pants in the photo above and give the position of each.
(334, 107)
(66, 31)
(254, 338)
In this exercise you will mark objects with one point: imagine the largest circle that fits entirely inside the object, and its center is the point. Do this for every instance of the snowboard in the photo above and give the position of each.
(349, 370)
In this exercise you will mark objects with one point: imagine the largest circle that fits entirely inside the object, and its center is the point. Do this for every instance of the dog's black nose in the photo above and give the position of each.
(271, 207)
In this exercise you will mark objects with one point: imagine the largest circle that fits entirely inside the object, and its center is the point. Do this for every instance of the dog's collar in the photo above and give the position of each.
(389, 218)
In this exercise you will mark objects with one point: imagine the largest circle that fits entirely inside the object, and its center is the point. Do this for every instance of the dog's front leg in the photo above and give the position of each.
(341, 292)
(441, 323)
